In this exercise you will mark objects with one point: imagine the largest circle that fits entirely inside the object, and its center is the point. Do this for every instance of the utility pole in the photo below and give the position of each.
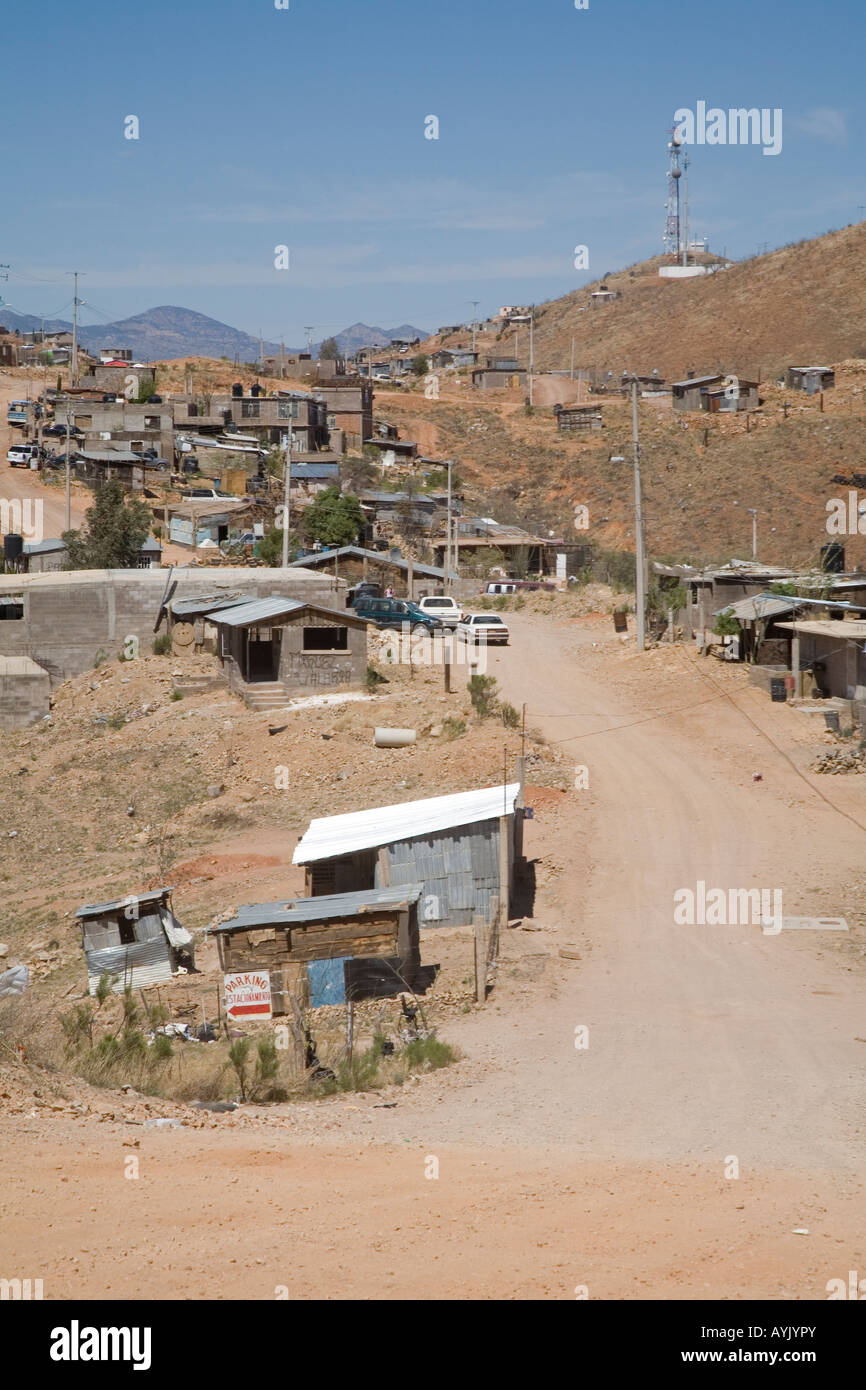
(639, 557)
(73, 368)
(448, 535)
(531, 356)
(261, 352)
(287, 490)
(753, 513)
(69, 469)
(474, 303)
(572, 359)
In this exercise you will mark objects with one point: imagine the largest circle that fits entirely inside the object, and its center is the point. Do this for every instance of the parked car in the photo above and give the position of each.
(21, 455)
(60, 430)
(366, 588)
(513, 586)
(393, 612)
(443, 607)
(209, 494)
(482, 627)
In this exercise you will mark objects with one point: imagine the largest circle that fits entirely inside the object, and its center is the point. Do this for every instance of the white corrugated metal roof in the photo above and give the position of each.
(384, 825)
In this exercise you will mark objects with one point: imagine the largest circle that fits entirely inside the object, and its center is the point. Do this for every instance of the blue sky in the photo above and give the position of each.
(305, 127)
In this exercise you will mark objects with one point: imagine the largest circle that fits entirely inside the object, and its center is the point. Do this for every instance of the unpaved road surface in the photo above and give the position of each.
(714, 1113)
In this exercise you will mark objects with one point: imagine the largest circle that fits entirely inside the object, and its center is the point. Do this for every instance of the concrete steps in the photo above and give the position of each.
(266, 695)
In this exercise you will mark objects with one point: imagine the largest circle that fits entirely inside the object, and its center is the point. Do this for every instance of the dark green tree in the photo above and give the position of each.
(420, 365)
(115, 529)
(270, 548)
(329, 351)
(335, 518)
(358, 473)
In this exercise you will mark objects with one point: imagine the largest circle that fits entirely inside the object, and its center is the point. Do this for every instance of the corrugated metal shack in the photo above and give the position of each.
(372, 934)
(460, 847)
(137, 940)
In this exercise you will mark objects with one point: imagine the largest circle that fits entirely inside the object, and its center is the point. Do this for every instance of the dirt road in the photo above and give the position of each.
(715, 1113)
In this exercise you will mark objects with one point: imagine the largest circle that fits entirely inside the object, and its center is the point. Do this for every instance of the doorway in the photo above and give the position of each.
(263, 654)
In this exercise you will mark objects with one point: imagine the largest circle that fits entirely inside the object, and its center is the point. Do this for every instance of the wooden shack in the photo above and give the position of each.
(373, 934)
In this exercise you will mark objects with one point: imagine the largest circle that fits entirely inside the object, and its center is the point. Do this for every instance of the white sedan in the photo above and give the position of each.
(482, 627)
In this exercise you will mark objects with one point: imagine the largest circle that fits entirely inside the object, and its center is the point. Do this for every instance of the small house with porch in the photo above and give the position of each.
(273, 648)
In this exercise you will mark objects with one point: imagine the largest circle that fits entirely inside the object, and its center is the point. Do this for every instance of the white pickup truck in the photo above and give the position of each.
(443, 607)
(22, 455)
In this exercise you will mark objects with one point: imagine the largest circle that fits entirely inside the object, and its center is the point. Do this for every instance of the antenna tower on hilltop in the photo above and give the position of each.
(676, 219)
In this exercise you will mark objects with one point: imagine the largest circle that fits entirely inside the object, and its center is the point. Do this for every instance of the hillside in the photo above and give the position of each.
(803, 302)
(700, 472)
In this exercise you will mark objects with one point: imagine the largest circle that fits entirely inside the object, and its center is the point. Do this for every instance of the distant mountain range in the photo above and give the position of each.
(168, 331)
(362, 335)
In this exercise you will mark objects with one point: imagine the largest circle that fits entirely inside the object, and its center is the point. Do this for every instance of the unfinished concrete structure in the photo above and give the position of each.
(68, 622)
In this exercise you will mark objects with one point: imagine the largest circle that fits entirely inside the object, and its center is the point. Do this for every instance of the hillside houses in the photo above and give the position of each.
(717, 392)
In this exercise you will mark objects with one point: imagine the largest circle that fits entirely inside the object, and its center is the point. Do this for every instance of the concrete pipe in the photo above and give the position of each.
(393, 738)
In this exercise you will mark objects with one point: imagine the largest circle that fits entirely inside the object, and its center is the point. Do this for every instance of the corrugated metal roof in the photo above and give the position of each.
(747, 610)
(110, 456)
(188, 607)
(329, 836)
(262, 609)
(297, 911)
(102, 909)
(43, 547)
(696, 380)
(356, 552)
(257, 610)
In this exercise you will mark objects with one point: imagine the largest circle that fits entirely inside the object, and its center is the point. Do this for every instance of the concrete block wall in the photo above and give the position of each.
(24, 698)
(305, 670)
(70, 621)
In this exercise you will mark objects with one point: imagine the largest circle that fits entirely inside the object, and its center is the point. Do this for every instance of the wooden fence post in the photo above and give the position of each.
(480, 942)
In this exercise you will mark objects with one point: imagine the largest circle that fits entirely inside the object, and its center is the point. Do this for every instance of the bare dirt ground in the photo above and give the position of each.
(710, 1049)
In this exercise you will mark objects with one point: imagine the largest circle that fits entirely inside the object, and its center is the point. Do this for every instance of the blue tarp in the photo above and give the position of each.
(327, 980)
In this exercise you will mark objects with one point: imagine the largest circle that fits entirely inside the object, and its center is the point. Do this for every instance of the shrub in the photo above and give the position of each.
(482, 693)
(373, 678)
(239, 1054)
(429, 1054)
(162, 1048)
(452, 727)
(509, 715)
(726, 624)
(161, 645)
